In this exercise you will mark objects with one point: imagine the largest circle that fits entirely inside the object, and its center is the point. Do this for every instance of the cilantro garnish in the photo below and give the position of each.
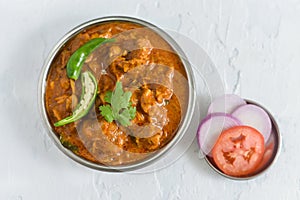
(120, 108)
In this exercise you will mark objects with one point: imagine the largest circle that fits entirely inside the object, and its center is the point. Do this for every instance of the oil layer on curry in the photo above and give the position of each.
(147, 66)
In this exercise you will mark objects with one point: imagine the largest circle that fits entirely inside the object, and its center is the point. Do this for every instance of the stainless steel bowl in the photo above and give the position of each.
(184, 124)
(277, 147)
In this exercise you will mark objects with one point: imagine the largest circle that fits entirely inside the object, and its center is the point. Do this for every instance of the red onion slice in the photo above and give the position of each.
(256, 117)
(226, 104)
(211, 127)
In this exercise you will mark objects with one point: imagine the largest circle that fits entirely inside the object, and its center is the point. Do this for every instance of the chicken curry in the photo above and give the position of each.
(140, 64)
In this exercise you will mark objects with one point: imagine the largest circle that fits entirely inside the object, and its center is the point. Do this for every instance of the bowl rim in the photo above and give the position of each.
(184, 122)
(277, 150)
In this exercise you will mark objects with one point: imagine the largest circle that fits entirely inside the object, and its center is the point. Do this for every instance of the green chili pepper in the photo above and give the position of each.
(89, 91)
(68, 144)
(77, 59)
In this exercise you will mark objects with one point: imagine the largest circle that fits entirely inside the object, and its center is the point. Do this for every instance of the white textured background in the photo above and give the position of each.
(255, 45)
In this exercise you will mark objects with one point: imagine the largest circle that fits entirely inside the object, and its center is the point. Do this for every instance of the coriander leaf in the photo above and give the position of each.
(125, 99)
(118, 92)
(123, 118)
(120, 108)
(107, 113)
(116, 99)
(132, 111)
(108, 96)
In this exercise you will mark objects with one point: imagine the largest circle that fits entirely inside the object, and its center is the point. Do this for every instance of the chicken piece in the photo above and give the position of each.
(90, 129)
(147, 100)
(106, 83)
(56, 114)
(155, 141)
(144, 43)
(116, 67)
(158, 116)
(163, 93)
(61, 99)
(149, 143)
(65, 55)
(79, 41)
(113, 133)
(65, 83)
(109, 129)
(115, 51)
(139, 118)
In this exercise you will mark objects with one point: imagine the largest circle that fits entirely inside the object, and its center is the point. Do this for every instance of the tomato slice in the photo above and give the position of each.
(269, 151)
(239, 150)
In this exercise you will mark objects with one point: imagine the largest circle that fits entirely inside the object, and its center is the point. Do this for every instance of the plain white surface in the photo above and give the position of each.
(254, 44)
